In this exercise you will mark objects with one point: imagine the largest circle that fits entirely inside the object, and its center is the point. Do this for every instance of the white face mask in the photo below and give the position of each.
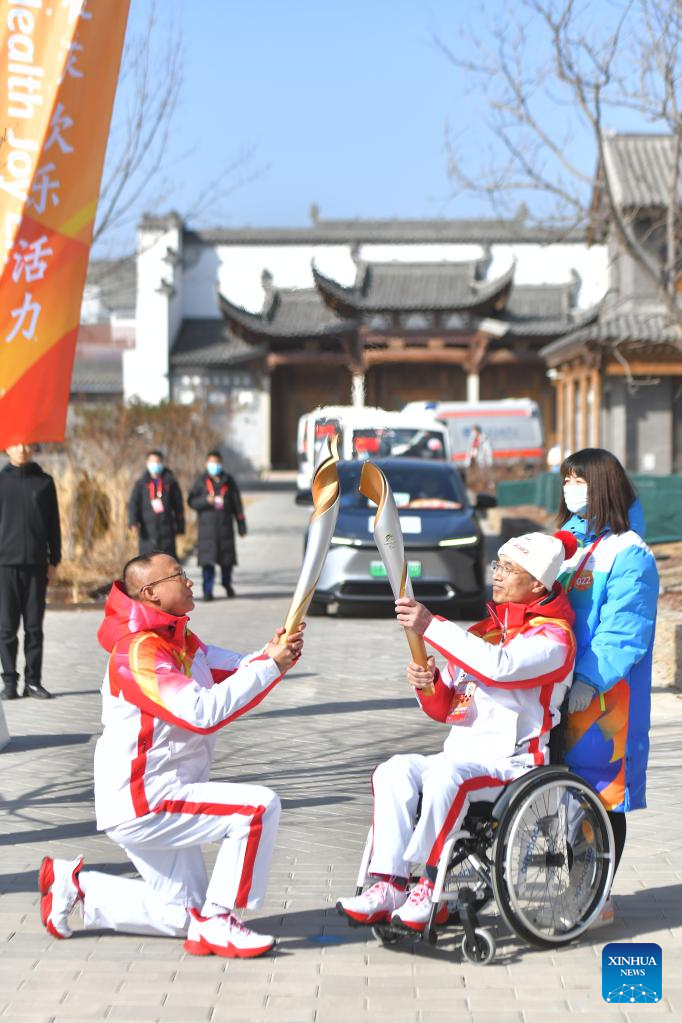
(575, 496)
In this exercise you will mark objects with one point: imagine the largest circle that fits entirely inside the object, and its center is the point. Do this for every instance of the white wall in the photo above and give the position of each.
(159, 314)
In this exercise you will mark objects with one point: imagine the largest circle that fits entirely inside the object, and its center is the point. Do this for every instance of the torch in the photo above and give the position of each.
(325, 488)
(388, 537)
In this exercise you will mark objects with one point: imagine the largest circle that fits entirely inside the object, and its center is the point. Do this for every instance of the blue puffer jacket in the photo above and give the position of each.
(614, 595)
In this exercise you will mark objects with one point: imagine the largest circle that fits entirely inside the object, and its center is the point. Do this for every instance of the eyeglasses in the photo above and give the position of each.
(499, 568)
(155, 582)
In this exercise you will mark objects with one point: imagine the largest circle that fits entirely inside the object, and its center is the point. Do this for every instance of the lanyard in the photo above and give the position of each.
(211, 487)
(159, 492)
(583, 562)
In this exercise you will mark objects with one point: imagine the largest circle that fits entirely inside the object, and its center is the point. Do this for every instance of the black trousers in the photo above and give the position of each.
(22, 597)
(208, 576)
(619, 828)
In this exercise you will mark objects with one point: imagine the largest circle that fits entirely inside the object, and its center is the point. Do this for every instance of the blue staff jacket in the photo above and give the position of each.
(614, 594)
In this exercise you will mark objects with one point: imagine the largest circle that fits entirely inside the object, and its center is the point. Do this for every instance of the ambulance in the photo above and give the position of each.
(513, 426)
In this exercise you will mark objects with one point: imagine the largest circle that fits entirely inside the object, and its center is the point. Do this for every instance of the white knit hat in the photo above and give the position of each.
(541, 555)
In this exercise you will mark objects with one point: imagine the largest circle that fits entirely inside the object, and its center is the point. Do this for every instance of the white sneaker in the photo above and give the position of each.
(415, 912)
(226, 936)
(60, 891)
(375, 905)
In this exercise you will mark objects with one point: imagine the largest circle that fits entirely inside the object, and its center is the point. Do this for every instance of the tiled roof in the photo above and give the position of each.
(639, 167)
(206, 342)
(407, 287)
(287, 313)
(98, 376)
(654, 329)
(346, 232)
(544, 310)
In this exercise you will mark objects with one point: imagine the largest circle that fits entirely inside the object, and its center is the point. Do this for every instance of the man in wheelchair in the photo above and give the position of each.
(501, 690)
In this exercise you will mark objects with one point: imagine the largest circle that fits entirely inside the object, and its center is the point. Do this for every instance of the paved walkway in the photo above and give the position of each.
(315, 740)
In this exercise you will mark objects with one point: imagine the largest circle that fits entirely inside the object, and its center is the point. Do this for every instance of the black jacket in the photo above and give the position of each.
(157, 532)
(29, 517)
(216, 525)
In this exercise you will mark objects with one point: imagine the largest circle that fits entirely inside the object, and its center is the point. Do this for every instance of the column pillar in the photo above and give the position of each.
(596, 408)
(582, 423)
(473, 387)
(561, 415)
(570, 412)
(357, 390)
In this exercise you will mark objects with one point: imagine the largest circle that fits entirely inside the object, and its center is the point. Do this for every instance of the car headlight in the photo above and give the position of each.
(459, 541)
(344, 541)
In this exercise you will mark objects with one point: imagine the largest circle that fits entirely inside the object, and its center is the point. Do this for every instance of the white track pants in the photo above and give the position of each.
(166, 850)
(446, 788)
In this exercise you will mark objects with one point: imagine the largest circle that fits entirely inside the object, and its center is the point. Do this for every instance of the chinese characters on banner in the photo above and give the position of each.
(59, 62)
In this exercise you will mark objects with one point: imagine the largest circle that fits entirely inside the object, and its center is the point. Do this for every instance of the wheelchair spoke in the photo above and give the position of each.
(556, 860)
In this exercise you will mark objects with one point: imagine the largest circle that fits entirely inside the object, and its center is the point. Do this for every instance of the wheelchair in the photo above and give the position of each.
(544, 851)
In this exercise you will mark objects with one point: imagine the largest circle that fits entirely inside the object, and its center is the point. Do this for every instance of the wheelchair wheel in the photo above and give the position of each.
(483, 949)
(553, 859)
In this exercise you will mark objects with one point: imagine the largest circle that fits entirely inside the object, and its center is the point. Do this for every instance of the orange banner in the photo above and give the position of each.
(59, 62)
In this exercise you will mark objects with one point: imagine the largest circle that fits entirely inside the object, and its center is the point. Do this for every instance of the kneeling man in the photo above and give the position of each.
(165, 697)
(501, 690)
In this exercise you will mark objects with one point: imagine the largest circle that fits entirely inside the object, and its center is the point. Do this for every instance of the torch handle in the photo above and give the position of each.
(419, 655)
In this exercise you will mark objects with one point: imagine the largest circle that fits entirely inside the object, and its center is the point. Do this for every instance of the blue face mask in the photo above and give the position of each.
(155, 468)
(214, 468)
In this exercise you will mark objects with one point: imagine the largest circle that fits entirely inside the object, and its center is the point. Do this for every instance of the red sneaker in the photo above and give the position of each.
(414, 913)
(226, 936)
(60, 890)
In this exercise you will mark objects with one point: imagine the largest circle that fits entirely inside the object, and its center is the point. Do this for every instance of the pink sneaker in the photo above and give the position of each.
(226, 936)
(375, 905)
(415, 912)
(60, 890)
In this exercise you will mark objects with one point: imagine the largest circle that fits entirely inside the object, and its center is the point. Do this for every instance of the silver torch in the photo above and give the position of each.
(388, 537)
(326, 490)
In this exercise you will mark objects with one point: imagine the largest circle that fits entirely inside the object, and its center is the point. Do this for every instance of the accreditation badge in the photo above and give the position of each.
(462, 696)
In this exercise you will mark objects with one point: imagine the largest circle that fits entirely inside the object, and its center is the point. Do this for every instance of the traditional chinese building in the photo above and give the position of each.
(619, 378)
(261, 325)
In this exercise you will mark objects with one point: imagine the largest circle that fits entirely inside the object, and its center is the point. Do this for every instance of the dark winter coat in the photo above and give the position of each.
(29, 517)
(216, 525)
(157, 532)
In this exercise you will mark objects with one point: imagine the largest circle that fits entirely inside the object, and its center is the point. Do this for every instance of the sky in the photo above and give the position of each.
(345, 105)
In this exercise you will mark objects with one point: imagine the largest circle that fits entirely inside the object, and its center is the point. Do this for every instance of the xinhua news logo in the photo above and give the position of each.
(632, 972)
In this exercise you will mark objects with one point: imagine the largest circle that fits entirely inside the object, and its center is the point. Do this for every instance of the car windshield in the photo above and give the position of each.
(404, 442)
(426, 487)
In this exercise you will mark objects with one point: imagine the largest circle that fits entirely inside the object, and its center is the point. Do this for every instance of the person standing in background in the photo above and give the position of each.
(155, 509)
(30, 550)
(480, 453)
(216, 499)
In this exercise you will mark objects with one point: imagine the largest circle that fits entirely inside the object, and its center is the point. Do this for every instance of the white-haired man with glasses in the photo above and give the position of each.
(165, 697)
(501, 689)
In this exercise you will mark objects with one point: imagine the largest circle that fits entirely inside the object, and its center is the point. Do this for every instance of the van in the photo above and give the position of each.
(513, 427)
(367, 432)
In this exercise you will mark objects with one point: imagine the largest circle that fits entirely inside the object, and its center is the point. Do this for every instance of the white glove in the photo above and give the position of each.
(580, 696)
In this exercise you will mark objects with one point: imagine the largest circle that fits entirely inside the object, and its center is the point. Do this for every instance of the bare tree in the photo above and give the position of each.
(142, 164)
(555, 69)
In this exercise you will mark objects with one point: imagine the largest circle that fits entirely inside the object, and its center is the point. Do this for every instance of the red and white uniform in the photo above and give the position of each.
(165, 696)
(503, 685)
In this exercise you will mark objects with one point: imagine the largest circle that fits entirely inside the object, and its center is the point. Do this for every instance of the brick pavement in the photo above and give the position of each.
(315, 740)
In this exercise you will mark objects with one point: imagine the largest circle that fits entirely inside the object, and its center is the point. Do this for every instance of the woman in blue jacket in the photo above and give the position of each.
(612, 585)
